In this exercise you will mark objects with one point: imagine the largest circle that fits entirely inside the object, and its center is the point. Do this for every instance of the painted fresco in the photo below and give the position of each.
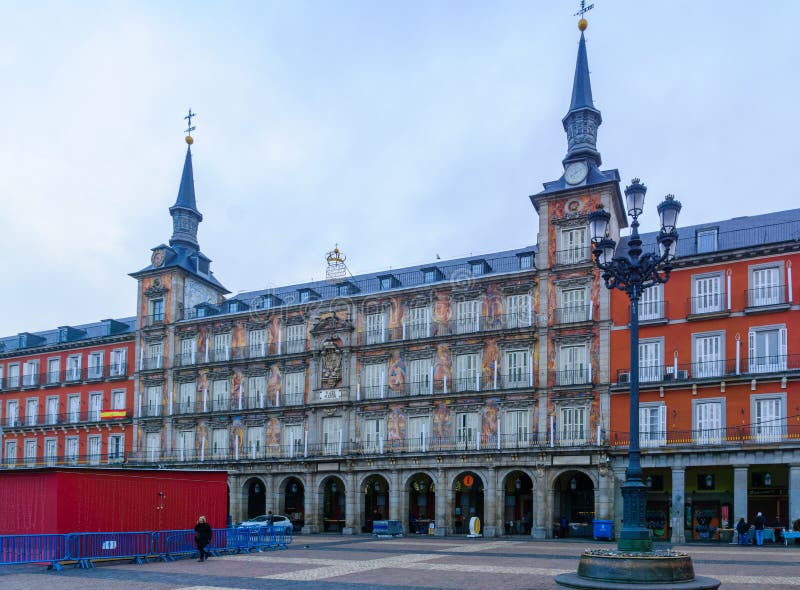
(396, 315)
(201, 438)
(490, 360)
(272, 441)
(395, 427)
(202, 341)
(238, 339)
(442, 312)
(202, 386)
(489, 427)
(236, 389)
(397, 372)
(493, 307)
(273, 334)
(237, 440)
(443, 366)
(442, 421)
(274, 381)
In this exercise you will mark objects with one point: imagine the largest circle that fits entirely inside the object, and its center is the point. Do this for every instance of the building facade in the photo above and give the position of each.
(66, 395)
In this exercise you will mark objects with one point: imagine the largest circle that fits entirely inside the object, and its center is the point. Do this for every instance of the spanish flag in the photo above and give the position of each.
(112, 414)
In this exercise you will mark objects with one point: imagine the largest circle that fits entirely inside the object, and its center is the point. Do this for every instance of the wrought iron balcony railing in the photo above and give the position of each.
(712, 369)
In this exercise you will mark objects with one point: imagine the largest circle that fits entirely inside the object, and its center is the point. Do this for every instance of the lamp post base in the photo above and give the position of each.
(604, 569)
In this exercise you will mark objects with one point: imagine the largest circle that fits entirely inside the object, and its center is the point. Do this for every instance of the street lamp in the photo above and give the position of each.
(632, 271)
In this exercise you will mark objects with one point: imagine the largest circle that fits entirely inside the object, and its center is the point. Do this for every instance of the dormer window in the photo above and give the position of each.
(388, 282)
(305, 296)
(346, 288)
(431, 274)
(525, 261)
(478, 267)
(706, 240)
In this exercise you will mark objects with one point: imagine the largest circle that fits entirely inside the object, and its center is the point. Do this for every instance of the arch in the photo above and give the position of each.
(254, 494)
(292, 501)
(517, 498)
(468, 500)
(573, 503)
(421, 490)
(332, 510)
(373, 500)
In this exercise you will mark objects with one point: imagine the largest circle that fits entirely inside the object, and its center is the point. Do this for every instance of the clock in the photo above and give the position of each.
(576, 172)
(157, 259)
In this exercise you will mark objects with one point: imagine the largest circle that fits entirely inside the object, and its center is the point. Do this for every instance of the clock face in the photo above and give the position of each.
(576, 172)
(157, 258)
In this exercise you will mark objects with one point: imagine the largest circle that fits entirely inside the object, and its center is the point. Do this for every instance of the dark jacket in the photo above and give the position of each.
(742, 527)
(202, 533)
(760, 523)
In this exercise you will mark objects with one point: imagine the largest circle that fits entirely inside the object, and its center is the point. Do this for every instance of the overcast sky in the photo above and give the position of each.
(400, 130)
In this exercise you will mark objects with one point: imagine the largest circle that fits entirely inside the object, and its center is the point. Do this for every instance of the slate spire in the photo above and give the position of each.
(582, 120)
(185, 216)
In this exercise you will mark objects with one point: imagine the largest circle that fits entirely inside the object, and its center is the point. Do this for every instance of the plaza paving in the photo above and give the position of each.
(361, 563)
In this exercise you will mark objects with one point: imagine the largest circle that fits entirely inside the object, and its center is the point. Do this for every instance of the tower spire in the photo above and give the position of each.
(582, 120)
(185, 216)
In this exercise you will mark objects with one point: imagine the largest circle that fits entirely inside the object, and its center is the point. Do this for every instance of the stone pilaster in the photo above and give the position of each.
(678, 500)
(490, 527)
(395, 497)
(311, 517)
(443, 507)
(605, 486)
(794, 493)
(540, 510)
(271, 496)
(351, 504)
(619, 479)
(739, 495)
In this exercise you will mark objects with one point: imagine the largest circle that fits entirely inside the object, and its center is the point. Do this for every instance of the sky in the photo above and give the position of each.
(399, 130)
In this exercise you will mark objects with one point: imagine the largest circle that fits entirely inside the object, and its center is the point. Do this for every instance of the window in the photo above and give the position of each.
(376, 328)
(118, 399)
(52, 410)
(293, 440)
(30, 452)
(222, 347)
(386, 283)
(468, 316)
(30, 374)
(119, 363)
(295, 338)
(257, 340)
(155, 353)
(73, 367)
(187, 392)
(331, 436)
(573, 246)
(294, 387)
(373, 435)
(769, 412)
(31, 411)
(186, 445)
(188, 352)
(573, 306)
(708, 352)
(420, 376)
(418, 434)
(71, 450)
(116, 448)
(93, 445)
(651, 364)
(221, 394)
(525, 261)
(708, 421)
(95, 406)
(1, 376)
(652, 424)
(708, 294)
(767, 347)
(53, 370)
(73, 408)
(10, 455)
(219, 445)
(519, 311)
(95, 365)
(706, 240)
(477, 268)
(765, 286)
(573, 365)
(305, 296)
(516, 429)
(12, 413)
(429, 276)
(254, 437)
(13, 375)
(50, 451)
(157, 310)
(651, 304)
(418, 324)
(374, 380)
(153, 446)
(467, 373)
(518, 370)
(572, 426)
(256, 391)
(467, 430)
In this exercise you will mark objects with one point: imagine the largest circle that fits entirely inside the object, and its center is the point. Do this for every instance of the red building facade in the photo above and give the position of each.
(66, 395)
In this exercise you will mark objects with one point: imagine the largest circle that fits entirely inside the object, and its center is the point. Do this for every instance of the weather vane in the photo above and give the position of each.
(584, 9)
(190, 128)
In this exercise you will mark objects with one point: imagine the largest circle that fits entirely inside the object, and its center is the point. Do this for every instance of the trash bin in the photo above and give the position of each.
(602, 529)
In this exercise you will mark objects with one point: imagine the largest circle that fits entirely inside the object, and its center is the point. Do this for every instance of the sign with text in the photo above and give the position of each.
(330, 394)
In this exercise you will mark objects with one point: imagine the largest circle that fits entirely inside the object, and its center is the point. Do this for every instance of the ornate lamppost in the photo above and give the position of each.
(631, 270)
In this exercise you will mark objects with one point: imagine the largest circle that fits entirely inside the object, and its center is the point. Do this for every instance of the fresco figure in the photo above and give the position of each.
(397, 372)
(396, 428)
(273, 438)
(442, 424)
(493, 307)
(443, 368)
(489, 428)
(442, 312)
(273, 383)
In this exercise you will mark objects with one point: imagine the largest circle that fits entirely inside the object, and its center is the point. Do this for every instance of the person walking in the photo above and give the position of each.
(760, 522)
(202, 537)
(742, 527)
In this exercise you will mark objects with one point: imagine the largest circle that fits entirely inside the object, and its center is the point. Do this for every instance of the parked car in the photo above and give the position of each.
(278, 521)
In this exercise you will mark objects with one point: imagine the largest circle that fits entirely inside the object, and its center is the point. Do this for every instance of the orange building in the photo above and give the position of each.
(718, 366)
(66, 395)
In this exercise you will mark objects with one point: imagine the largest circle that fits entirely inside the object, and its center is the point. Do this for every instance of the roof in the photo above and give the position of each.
(595, 176)
(30, 341)
(581, 85)
(186, 198)
(190, 260)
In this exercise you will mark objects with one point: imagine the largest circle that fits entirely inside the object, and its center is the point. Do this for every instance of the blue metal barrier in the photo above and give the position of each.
(15, 549)
(85, 547)
(171, 545)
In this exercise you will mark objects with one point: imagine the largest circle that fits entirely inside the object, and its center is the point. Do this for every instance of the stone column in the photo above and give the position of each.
(739, 494)
(490, 504)
(540, 510)
(442, 505)
(351, 518)
(235, 510)
(678, 501)
(604, 489)
(311, 501)
(395, 497)
(794, 493)
(619, 479)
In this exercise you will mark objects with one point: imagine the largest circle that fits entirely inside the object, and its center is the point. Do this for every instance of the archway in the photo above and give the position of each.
(517, 503)
(333, 505)
(573, 505)
(468, 488)
(294, 502)
(421, 504)
(256, 498)
(376, 501)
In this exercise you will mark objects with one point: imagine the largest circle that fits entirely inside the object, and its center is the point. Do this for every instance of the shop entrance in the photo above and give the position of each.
(518, 504)
(294, 503)
(421, 504)
(468, 490)
(573, 505)
(256, 498)
(333, 505)
(376, 501)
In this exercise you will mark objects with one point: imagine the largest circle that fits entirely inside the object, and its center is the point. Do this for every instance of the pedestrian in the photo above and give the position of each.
(202, 537)
(760, 522)
(270, 519)
(742, 527)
